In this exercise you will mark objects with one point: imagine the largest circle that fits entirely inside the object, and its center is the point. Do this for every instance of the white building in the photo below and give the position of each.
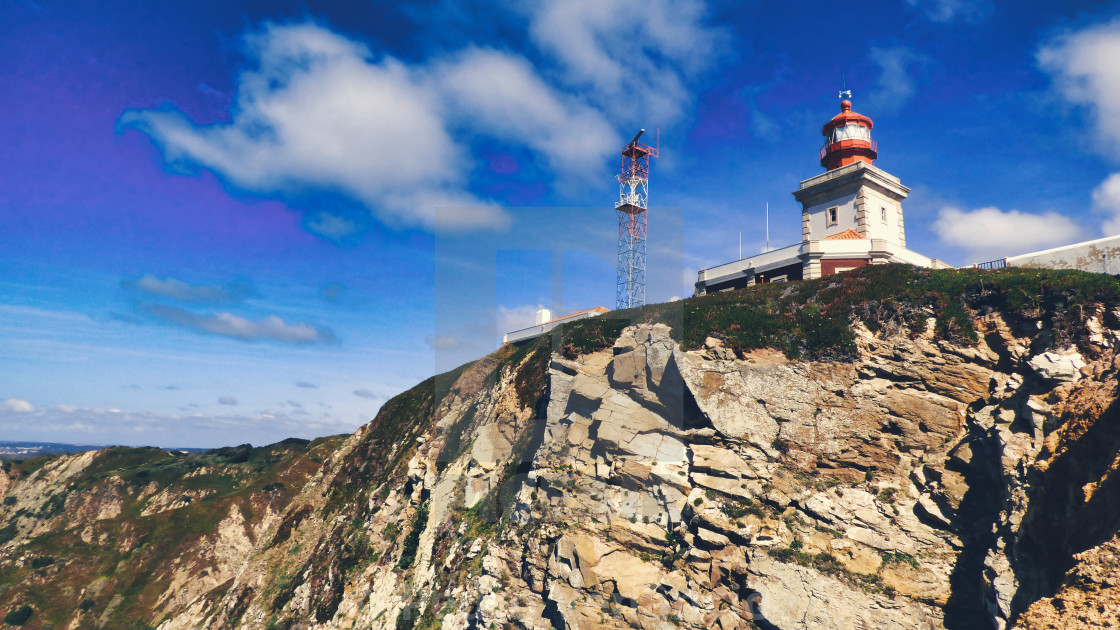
(851, 216)
(1101, 255)
(545, 324)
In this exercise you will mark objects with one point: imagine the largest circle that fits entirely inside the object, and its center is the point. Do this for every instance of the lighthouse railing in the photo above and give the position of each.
(836, 146)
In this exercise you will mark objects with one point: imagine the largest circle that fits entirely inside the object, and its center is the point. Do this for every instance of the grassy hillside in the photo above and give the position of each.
(107, 542)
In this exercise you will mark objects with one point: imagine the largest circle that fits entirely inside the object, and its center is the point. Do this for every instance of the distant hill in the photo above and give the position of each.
(21, 450)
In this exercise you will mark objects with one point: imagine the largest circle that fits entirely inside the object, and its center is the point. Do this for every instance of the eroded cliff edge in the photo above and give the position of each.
(893, 449)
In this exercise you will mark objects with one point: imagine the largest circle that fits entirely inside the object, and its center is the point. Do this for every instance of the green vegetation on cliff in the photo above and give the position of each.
(812, 319)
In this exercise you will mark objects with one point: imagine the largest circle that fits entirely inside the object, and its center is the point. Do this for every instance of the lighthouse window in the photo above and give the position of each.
(831, 215)
(850, 132)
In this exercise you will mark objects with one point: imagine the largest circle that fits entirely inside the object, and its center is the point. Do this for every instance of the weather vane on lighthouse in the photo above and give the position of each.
(844, 91)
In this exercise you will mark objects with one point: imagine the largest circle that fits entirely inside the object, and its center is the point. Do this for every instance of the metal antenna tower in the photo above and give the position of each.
(633, 196)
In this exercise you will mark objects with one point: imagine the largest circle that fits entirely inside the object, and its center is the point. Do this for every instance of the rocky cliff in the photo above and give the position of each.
(890, 449)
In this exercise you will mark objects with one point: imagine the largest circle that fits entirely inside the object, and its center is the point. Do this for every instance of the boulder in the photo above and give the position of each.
(1064, 366)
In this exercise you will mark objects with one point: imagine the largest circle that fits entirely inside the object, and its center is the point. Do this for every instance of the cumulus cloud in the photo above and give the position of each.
(315, 111)
(442, 342)
(16, 405)
(1106, 200)
(946, 11)
(502, 93)
(270, 327)
(178, 290)
(629, 51)
(227, 400)
(896, 84)
(989, 233)
(1083, 66)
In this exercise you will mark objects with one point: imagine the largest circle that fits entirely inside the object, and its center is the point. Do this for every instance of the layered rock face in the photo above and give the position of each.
(920, 483)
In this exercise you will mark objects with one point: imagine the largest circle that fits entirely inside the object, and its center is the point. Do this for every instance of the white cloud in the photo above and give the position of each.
(1106, 199)
(178, 290)
(270, 327)
(946, 11)
(500, 93)
(16, 405)
(365, 393)
(318, 111)
(989, 233)
(306, 385)
(227, 400)
(1083, 65)
(442, 342)
(896, 85)
(632, 57)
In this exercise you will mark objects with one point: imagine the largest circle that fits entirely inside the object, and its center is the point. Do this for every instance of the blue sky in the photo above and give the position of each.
(238, 221)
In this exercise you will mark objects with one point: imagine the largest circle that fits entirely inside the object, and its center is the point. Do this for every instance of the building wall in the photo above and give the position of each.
(791, 272)
(818, 227)
(731, 285)
(1099, 256)
(871, 217)
(829, 267)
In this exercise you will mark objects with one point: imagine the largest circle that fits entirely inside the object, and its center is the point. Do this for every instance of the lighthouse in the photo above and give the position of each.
(851, 216)
(853, 200)
(847, 139)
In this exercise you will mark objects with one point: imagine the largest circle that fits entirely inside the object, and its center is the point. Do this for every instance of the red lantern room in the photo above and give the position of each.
(847, 138)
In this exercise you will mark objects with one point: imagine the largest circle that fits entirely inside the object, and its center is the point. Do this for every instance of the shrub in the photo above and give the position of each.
(8, 532)
(18, 616)
(392, 530)
(9, 500)
(41, 561)
(412, 542)
(891, 557)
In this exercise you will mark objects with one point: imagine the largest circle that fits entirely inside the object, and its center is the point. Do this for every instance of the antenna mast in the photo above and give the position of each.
(767, 226)
(633, 195)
